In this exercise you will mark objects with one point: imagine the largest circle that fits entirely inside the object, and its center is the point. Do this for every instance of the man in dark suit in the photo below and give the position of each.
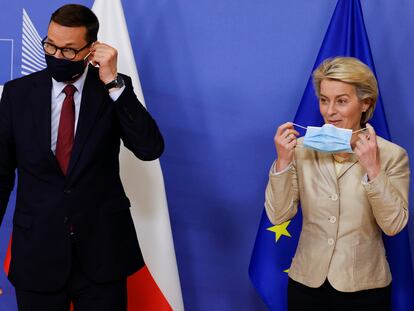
(73, 236)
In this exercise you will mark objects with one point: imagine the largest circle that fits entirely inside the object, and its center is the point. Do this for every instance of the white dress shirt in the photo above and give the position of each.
(58, 96)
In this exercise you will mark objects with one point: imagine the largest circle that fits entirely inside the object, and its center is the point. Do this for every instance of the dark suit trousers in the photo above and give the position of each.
(85, 294)
(326, 298)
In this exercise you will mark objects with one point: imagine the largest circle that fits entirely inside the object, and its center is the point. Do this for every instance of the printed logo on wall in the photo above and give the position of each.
(32, 53)
(33, 58)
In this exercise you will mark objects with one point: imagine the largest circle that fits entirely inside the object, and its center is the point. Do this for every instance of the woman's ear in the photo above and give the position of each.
(366, 103)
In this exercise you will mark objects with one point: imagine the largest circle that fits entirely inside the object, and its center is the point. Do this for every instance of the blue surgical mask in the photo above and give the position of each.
(328, 139)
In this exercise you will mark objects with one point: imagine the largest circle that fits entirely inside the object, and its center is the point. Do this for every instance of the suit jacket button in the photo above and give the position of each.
(334, 197)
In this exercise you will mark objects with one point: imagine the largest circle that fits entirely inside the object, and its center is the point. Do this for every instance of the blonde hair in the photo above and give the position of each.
(353, 71)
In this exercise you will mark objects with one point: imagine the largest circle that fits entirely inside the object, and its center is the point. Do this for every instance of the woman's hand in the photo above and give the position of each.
(285, 142)
(367, 152)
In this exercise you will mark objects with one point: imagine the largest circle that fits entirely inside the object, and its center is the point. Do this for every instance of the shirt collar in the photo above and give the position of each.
(59, 86)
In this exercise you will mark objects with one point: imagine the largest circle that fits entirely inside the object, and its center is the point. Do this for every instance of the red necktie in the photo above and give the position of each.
(66, 129)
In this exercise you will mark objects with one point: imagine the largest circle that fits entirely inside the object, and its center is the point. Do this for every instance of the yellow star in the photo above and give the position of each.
(280, 230)
(287, 270)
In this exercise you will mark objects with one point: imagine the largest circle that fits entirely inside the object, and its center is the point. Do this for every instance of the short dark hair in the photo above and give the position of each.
(76, 15)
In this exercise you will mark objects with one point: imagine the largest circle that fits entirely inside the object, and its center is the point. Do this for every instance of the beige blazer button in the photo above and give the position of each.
(334, 197)
(331, 241)
(332, 219)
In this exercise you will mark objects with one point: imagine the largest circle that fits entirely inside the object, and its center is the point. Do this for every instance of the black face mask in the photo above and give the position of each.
(63, 70)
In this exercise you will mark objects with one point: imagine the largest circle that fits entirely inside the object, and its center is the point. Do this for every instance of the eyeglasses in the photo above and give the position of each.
(67, 53)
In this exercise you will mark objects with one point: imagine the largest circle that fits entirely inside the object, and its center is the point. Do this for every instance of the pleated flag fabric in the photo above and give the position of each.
(156, 287)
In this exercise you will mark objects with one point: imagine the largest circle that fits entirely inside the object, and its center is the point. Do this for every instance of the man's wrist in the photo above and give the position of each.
(117, 83)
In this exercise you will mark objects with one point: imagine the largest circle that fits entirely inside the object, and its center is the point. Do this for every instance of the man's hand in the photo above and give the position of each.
(106, 57)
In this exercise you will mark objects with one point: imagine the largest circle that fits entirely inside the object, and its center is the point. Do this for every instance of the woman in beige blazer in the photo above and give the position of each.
(348, 199)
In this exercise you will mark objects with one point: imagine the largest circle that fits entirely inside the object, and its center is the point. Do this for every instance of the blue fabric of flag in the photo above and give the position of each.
(346, 36)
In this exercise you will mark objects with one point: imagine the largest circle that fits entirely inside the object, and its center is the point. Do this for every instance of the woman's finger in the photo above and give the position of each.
(292, 132)
(281, 129)
(371, 130)
(363, 138)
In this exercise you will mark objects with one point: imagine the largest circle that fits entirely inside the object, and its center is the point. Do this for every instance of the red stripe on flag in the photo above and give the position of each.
(144, 293)
(6, 264)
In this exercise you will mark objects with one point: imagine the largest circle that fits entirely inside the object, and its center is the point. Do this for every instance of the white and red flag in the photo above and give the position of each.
(155, 287)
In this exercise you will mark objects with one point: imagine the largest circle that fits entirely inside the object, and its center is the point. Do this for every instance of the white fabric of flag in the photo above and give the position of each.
(143, 181)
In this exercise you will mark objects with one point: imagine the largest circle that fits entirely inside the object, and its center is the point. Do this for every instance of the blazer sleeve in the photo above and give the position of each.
(139, 132)
(282, 195)
(388, 193)
(7, 152)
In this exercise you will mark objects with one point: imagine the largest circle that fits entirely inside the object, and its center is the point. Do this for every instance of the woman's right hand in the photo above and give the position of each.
(285, 142)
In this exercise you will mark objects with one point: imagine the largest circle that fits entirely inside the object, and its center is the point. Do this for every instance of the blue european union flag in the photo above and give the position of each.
(6, 48)
(346, 36)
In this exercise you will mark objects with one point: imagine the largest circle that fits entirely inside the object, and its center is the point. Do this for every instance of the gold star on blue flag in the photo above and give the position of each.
(280, 230)
(346, 36)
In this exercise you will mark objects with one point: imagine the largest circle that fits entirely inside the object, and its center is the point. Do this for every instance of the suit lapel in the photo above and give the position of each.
(93, 100)
(329, 163)
(40, 100)
(348, 164)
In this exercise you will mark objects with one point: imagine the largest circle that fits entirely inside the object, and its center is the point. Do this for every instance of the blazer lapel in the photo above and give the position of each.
(348, 164)
(93, 100)
(41, 103)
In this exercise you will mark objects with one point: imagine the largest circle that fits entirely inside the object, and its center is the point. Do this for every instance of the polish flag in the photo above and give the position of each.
(155, 287)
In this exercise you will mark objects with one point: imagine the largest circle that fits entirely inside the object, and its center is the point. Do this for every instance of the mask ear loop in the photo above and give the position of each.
(303, 127)
(363, 129)
(87, 55)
